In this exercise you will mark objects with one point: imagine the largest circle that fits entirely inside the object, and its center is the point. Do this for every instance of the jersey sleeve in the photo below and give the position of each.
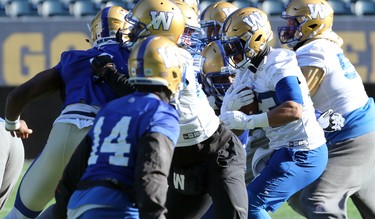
(166, 121)
(311, 55)
(283, 64)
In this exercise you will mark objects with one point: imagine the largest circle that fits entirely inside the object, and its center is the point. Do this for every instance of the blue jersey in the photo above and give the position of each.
(80, 84)
(117, 130)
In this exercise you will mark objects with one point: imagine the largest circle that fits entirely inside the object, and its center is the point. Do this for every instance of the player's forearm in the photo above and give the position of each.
(13, 107)
(288, 111)
(119, 83)
(42, 84)
(152, 170)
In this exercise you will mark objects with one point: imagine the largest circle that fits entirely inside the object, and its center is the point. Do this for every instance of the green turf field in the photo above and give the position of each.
(283, 213)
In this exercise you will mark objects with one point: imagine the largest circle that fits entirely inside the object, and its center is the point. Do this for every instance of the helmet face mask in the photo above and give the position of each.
(290, 34)
(217, 83)
(213, 17)
(239, 52)
(245, 33)
(193, 33)
(216, 73)
(137, 29)
(212, 30)
(305, 20)
(191, 39)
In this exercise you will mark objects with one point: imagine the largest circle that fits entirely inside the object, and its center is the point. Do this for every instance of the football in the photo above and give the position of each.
(250, 108)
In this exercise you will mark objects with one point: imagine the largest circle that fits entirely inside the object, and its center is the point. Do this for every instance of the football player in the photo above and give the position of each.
(83, 95)
(132, 141)
(217, 74)
(299, 153)
(217, 77)
(208, 163)
(213, 17)
(12, 157)
(335, 84)
(193, 33)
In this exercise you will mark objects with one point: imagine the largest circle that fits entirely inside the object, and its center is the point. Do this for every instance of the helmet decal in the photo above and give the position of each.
(255, 21)
(161, 19)
(318, 10)
(155, 60)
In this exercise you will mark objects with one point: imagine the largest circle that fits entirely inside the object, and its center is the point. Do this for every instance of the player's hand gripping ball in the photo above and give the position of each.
(252, 107)
(240, 98)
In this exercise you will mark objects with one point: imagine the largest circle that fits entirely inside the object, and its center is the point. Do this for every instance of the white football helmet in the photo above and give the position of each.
(217, 74)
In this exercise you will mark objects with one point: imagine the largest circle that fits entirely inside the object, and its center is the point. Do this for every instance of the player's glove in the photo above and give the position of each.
(237, 97)
(102, 64)
(331, 121)
(241, 121)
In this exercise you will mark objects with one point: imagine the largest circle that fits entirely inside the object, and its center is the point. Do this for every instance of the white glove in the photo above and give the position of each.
(235, 98)
(237, 120)
(331, 121)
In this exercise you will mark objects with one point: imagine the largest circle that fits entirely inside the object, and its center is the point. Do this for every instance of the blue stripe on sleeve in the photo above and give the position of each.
(287, 89)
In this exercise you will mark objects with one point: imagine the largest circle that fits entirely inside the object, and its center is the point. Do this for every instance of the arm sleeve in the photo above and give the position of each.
(287, 89)
(42, 84)
(152, 169)
(118, 82)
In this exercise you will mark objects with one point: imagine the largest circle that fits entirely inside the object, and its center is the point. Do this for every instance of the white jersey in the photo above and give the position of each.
(304, 133)
(198, 121)
(341, 89)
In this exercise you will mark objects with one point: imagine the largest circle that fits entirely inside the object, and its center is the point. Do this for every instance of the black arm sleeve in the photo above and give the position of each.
(118, 82)
(71, 177)
(152, 168)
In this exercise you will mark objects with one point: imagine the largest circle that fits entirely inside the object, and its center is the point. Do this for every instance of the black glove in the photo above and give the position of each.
(101, 65)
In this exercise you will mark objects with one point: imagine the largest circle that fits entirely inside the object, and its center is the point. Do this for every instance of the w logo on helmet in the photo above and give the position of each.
(317, 10)
(161, 19)
(255, 21)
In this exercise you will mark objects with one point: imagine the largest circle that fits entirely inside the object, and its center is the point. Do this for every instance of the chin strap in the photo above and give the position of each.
(255, 62)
